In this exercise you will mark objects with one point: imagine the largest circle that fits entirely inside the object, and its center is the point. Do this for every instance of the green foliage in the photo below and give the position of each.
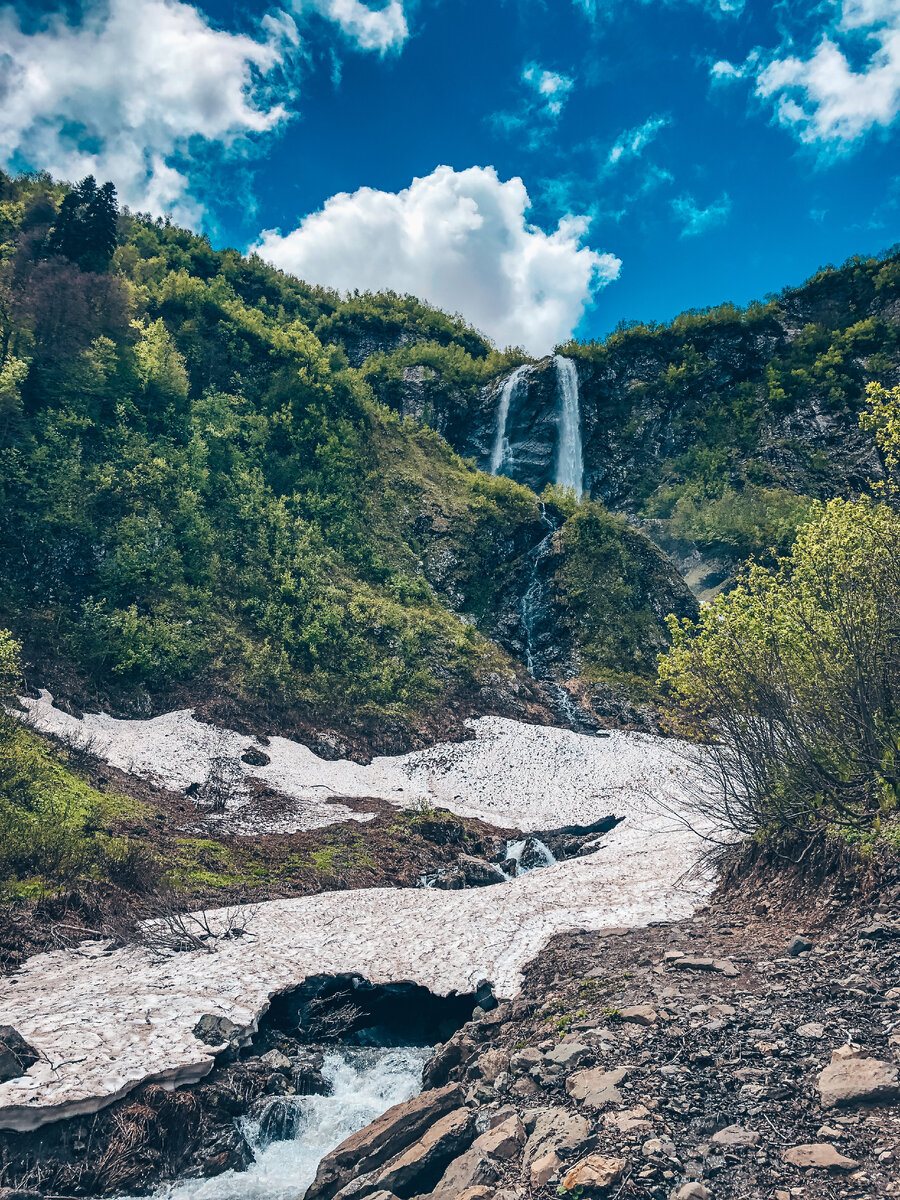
(205, 490)
(750, 521)
(883, 418)
(609, 580)
(793, 678)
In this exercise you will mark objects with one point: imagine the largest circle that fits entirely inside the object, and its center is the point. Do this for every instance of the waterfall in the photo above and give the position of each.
(530, 606)
(569, 457)
(516, 849)
(364, 1084)
(500, 452)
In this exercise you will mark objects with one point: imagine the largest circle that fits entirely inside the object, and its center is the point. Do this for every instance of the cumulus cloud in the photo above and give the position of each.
(696, 220)
(138, 90)
(460, 240)
(124, 93)
(825, 98)
(379, 29)
(633, 142)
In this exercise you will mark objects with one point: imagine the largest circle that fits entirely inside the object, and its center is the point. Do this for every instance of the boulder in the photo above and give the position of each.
(16, 1056)
(822, 1155)
(799, 945)
(214, 1030)
(856, 1080)
(492, 1064)
(594, 1173)
(276, 1061)
(472, 1169)
(596, 1088)
(386, 1137)
(478, 872)
(693, 1191)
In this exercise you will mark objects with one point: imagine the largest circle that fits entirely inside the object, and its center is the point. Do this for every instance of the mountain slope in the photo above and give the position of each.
(204, 504)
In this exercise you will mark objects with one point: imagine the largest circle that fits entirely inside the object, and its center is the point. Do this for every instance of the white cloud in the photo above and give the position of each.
(823, 98)
(124, 93)
(632, 142)
(546, 95)
(138, 89)
(379, 29)
(695, 220)
(460, 240)
(551, 87)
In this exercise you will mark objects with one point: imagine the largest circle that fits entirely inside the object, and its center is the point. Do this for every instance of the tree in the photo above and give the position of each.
(86, 228)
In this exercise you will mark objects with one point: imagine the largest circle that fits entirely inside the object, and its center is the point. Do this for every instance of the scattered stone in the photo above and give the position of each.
(693, 1191)
(492, 1064)
(851, 1080)
(639, 1014)
(544, 1168)
(596, 1088)
(567, 1054)
(813, 1030)
(880, 931)
(799, 945)
(595, 1173)
(735, 1135)
(823, 1156)
(472, 1169)
(505, 1140)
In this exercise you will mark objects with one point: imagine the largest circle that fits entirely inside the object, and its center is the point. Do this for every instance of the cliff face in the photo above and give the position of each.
(711, 433)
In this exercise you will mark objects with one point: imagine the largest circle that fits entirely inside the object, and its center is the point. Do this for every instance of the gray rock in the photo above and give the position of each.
(799, 945)
(596, 1088)
(853, 1080)
(16, 1055)
(824, 1156)
(558, 1131)
(214, 1030)
(383, 1139)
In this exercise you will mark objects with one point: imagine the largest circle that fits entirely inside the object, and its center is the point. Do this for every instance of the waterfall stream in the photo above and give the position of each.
(530, 605)
(500, 451)
(364, 1084)
(569, 454)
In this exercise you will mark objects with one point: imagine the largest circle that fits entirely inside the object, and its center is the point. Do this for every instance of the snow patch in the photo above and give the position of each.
(107, 1020)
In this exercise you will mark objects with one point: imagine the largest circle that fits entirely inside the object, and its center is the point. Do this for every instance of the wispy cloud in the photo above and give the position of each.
(632, 142)
(545, 96)
(695, 220)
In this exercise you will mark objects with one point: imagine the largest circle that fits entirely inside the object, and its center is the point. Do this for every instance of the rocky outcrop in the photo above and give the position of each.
(370, 1152)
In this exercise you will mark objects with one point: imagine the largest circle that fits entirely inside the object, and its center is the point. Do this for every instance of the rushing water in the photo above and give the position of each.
(569, 454)
(365, 1083)
(500, 451)
(515, 851)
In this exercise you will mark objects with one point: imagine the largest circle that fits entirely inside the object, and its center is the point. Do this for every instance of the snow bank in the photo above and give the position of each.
(106, 1021)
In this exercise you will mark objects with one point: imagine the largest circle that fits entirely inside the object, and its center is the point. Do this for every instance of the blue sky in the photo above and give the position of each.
(694, 150)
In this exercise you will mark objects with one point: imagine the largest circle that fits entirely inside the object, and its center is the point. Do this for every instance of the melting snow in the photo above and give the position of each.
(106, 1020)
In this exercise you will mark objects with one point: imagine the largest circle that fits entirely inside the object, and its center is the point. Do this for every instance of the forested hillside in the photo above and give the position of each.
(201, 497)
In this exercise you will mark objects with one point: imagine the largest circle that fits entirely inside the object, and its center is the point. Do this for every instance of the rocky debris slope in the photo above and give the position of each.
(714, 1058)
